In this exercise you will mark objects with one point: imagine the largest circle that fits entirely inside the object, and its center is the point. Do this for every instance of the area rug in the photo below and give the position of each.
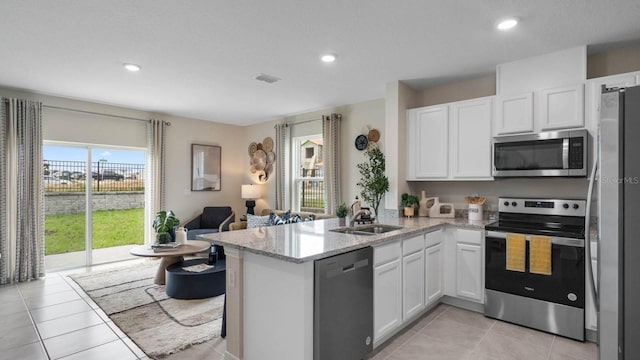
(158, 324)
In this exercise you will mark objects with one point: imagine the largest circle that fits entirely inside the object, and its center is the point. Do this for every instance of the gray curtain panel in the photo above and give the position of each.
(283, 154)
(22, 197)
(331, 126)
(155, 182)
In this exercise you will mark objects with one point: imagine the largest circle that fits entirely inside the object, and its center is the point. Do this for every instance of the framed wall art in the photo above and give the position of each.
(205, 167)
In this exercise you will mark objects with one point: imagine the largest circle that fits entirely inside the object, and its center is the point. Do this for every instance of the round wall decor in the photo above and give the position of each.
(361, 142)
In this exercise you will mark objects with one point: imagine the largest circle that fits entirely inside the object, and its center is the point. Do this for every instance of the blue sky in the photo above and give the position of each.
(80, 154)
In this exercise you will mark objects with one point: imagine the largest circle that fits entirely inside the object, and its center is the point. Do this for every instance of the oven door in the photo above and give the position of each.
(565, 285)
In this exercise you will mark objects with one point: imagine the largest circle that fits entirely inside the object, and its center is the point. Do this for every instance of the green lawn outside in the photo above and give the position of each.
(65, 233)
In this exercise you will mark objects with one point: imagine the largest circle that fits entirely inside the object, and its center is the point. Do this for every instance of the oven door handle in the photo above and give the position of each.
(554, 239)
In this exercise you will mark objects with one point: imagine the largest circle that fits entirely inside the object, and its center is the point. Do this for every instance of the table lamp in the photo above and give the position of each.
(250, 193)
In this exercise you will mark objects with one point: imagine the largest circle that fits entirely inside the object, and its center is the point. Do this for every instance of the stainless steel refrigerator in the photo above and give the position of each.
(619, 224)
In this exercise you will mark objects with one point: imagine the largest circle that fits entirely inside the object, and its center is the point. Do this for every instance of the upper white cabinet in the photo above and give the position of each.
(471, 138)
(541, 93)
(562, 107)
(514, 113)
(450, 141)
(540, 110)
(428, 142)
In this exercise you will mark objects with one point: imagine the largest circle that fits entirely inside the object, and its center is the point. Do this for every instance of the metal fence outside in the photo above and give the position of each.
(311, 187)
(70, 176)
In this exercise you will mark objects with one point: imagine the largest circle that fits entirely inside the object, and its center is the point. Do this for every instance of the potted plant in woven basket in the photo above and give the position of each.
(163, 224)
(408, 202)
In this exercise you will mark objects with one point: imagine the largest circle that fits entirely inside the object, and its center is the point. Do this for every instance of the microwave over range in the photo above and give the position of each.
(554, 153)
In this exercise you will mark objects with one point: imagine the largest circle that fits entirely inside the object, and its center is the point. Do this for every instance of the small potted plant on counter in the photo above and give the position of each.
(341, 213)
(163, 224)
(408, 203)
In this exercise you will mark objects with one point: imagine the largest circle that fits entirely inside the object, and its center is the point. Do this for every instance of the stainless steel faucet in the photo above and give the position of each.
(354, 213)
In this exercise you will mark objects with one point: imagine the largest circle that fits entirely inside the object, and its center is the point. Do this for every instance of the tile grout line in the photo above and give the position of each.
(551, 348)
(417, 332)
(68, 279)
(33, 323)
(483, 337)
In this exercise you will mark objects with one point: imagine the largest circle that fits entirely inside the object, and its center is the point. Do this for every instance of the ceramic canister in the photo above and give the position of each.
(475, 212)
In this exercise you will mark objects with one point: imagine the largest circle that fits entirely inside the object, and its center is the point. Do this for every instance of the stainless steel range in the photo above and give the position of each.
(552, 300)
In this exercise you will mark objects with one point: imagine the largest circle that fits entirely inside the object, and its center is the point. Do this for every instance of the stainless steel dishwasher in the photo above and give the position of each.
(343, 306)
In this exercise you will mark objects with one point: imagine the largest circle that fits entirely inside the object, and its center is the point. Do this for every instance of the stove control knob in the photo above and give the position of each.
(576, 206)
(514, 204)
(506, 203)
(566, 206)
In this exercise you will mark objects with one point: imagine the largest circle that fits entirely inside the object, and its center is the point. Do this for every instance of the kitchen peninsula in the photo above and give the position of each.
(270, 278)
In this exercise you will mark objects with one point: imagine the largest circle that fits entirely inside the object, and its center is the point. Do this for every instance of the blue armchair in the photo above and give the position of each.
(212, 220)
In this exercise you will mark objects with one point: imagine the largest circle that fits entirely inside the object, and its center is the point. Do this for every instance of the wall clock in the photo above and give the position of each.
(361, 142)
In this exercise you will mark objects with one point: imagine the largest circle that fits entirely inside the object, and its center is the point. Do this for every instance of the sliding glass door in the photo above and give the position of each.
(94, 199)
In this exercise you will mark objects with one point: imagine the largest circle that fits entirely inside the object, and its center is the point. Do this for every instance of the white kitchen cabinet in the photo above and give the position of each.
(427, 142)
(540, 110)
(433, 273)
(469, 265)
(412, 284)
(514, 114)
(469, 271)
(471, 138)
(562, 107)
(387, 290)
(450, 141)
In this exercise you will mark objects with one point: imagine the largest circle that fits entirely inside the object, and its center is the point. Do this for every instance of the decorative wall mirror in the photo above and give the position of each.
(205, 167)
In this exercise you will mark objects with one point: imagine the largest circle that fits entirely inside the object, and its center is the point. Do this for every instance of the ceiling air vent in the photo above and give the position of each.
(267, 78)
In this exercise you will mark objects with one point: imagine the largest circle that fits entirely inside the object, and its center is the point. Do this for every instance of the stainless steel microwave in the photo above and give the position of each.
(554, 153)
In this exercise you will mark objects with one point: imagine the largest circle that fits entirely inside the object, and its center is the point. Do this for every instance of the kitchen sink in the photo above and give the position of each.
(367, 229)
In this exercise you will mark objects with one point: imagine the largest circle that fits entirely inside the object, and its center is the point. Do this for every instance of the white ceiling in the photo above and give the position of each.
(199, 58)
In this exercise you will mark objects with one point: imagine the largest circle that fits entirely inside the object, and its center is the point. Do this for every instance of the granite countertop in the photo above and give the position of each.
(308, 241)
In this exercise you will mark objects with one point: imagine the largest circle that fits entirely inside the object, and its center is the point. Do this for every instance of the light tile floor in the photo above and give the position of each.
(449, 332)
(54, 319)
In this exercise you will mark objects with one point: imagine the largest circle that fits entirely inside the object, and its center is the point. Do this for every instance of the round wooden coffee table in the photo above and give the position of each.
(168, 257)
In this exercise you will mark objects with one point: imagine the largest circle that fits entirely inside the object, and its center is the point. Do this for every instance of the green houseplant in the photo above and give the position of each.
(374, 183)
(163, 223)
(408, 202)
(341, 213)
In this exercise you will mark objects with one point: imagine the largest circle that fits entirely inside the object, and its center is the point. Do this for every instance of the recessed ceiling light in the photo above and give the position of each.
(132, 67)
(507, 24)
(328, 58)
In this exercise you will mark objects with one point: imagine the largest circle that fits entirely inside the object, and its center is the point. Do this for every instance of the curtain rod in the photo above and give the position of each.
(300, 122)
(101, 114)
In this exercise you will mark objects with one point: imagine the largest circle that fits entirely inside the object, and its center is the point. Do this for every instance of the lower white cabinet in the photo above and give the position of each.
(433, 273)
(469, 264)
(387, 290)
(412, 284)
(433, 259)
(469, 271)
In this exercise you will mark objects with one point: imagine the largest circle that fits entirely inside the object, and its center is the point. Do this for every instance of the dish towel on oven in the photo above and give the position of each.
(540, 255)
(516, 252)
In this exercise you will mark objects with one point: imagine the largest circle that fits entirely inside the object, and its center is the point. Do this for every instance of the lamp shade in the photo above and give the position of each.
(251, 191)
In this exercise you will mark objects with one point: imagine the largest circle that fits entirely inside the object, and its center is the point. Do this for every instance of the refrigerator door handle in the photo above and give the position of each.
(587, 237)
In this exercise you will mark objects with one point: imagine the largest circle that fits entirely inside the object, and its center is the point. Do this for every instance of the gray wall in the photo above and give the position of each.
(75, 203)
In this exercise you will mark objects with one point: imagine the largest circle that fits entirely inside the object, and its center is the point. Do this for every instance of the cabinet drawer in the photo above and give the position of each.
(412, 245)
(469, 236)
(386, 253)
(433, 238)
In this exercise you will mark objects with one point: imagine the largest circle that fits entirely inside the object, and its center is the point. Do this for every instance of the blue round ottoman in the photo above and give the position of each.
(183, 284)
